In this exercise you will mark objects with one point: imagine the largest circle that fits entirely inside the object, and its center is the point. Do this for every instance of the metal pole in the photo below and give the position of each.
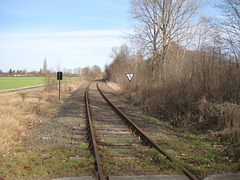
(129, 91)
(59, 88)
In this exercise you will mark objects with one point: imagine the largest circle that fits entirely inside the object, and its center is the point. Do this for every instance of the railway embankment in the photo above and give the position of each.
(58, 146)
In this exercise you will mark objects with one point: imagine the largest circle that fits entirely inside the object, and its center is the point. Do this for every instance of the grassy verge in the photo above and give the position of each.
(149, 162)
(21, 111)
(19, 114)
(47, 162)
(200, 154)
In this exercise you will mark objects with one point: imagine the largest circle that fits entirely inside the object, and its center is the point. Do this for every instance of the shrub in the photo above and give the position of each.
(190, 91)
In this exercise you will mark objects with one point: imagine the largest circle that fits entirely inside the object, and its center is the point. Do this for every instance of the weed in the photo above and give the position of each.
(129, 140)
(111, 140)
(159, 157)
(211, 154)
(145, 161)
(79, 146)
(114, 154)
(68, 152)
(200, 144)
(191, 168)
(154, 120)
(42, 162)
(86, 153)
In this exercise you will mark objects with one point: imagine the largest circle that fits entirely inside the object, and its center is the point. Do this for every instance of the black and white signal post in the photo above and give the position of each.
(59, 77)
(130, 76)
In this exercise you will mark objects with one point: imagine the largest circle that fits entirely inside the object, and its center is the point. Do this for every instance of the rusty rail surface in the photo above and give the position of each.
(92, 137)
(144, 137)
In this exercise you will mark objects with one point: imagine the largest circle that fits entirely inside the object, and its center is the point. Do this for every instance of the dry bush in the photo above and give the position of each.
(18, 111)
(51, 83)
(186, 79)
(184, 83)
(122, 64)
(224, 119)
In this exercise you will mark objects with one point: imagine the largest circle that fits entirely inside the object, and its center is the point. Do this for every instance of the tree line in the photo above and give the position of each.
(94, 72)
(186, 67)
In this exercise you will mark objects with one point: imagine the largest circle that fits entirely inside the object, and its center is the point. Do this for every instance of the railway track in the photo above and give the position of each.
(119, 146)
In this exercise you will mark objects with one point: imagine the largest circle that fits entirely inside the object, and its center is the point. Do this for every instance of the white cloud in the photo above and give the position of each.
(92, 46)
(86, 33)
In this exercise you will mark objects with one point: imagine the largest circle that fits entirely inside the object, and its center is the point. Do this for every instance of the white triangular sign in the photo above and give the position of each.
(130, 76)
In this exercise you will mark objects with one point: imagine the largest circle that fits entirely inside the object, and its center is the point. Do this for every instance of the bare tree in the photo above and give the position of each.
(49, 81)
(160, 23)
(122, 64)
(229, 23)
(78, 70)
(95, 71)
(45, 66)
(86, 71)
(46, 72)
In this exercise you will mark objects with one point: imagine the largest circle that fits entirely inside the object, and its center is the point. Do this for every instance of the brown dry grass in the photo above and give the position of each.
(114, 86)
(226, 117)
(21, 111)
(184, 79)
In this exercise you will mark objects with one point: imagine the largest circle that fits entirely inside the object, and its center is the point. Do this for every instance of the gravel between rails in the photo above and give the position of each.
(132, 112)
(58, 130)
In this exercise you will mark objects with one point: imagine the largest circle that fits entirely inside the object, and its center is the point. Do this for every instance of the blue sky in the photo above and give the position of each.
(74, 33)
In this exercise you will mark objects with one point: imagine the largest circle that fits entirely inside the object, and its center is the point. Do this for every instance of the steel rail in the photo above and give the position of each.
(144, 137)
(92, 136)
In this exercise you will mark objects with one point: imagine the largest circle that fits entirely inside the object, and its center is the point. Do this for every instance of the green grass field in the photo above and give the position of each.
(18, 82)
